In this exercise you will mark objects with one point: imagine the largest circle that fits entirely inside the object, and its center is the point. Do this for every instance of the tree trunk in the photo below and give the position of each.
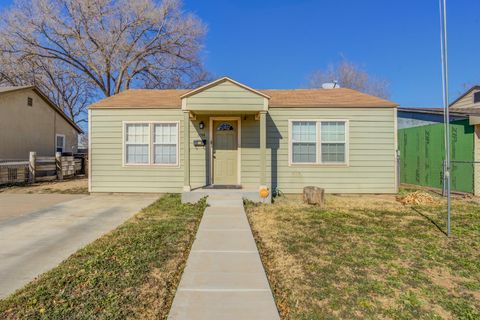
(314, 195)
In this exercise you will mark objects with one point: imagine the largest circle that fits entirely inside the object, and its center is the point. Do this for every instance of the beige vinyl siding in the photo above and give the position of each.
(371, 152)
(371, 143)
(199, 163)
(107, 171)
(26, 128)
(225, 96)
(466, 102)
(250, 153)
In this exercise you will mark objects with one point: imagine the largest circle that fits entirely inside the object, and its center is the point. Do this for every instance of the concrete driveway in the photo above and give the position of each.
(15, 205)
(33, 241)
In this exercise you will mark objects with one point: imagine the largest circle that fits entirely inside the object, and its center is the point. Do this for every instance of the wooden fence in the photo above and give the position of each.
(39, 169)
(14, 172)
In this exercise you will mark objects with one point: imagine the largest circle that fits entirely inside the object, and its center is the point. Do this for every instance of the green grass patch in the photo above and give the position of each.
(131, 272)
(370, 257)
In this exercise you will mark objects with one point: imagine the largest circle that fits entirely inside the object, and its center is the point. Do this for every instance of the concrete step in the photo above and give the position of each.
(213, 202)
(247, 194)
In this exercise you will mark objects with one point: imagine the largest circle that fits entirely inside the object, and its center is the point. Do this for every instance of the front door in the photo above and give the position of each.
(225, 152)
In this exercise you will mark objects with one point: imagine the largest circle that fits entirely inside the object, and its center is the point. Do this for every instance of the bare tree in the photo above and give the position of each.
(65, 88)
(350, 75)
(111, 44)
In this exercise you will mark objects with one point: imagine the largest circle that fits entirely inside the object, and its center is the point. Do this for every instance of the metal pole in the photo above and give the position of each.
(444, 55)
(444, 186)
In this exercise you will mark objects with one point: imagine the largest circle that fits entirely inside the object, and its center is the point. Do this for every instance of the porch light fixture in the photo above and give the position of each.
(201, 125)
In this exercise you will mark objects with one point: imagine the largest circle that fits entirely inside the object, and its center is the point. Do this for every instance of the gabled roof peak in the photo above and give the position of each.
(219, 81)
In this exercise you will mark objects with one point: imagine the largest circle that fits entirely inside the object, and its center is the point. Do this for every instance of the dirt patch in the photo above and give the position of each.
(73, 186)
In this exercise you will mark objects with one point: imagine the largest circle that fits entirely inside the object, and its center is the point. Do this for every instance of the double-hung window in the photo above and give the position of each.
(304, 142)
(333, 141)
(59, 142)
(137, 143)
(165, 143)
(151, 143)
(318, 142)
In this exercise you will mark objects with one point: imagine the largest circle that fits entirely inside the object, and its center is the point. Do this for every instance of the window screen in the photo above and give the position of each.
(304, 146)
(136, 143)
(333, 142)
(165, 143)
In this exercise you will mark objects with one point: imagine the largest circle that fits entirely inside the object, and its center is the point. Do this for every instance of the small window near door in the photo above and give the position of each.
(476, 97)
(60, 142)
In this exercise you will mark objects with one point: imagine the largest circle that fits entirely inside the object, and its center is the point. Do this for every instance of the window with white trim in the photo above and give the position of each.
(137, 141)
(151, 143)
(318, 141)
(333, 141)
(59, 142)
(165, 143)
(304, 142)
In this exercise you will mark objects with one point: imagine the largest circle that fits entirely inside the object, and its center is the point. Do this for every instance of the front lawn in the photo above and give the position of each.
(370, 257)
(132, 272)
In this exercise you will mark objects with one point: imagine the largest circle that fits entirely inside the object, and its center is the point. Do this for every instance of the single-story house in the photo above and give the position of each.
(421, 144)
(29, 121)
(226, 134)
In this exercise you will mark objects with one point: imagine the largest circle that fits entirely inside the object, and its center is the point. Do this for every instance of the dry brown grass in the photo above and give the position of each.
(71, 186)
(129, 273)
(369, 256)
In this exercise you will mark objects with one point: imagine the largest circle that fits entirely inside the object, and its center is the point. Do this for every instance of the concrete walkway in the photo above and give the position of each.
(224, 277)
(34, 242)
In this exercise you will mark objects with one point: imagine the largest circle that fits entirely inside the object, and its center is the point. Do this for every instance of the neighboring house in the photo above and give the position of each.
(29, 121)
(226, 134)
(421, 144)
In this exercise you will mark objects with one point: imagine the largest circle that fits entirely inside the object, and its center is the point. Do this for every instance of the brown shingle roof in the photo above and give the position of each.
(339, 97)
(143, 98)
(170, 99)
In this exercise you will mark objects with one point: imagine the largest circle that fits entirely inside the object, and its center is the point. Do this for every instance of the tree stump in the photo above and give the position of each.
(314, 195)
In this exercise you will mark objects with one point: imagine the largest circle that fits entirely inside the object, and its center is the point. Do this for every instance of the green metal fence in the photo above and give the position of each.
(422, 153)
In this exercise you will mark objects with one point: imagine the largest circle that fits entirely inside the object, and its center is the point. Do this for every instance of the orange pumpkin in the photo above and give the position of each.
(264, 192)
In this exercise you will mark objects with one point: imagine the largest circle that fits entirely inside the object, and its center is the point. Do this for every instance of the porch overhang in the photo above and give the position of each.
(225, 96)
(227, 105)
